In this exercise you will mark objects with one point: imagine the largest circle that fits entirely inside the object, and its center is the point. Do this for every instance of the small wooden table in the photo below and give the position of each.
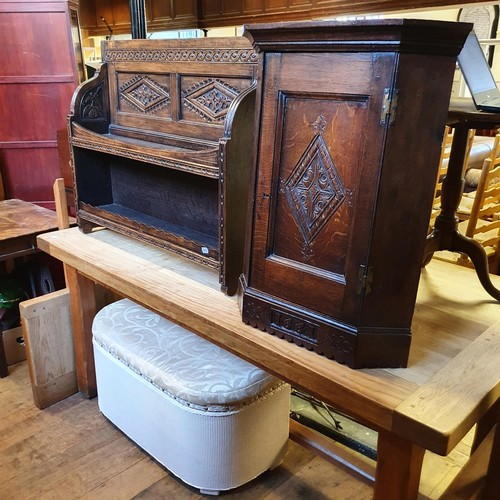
(452, 379)
(462, 116)
(20, 223)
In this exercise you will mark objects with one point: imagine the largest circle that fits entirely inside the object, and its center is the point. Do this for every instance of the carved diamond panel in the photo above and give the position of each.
(314, 189)
(210, 99)
(144, 94)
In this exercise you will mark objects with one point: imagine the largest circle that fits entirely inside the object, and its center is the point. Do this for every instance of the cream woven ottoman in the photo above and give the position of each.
(211, 418)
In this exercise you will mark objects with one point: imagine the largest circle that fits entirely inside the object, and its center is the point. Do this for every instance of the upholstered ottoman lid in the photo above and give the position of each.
(186, 366)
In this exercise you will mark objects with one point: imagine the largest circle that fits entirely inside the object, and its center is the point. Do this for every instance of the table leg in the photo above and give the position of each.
(478, 257)
(445, 235)
(4, 369)
(492, 482)
(399, 465)
(485, 424)
(83, 309)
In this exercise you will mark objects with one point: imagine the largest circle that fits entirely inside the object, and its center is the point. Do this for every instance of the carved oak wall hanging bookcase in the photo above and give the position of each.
(161, 146)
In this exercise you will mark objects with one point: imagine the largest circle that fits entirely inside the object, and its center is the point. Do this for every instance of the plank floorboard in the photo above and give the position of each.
(70, 451)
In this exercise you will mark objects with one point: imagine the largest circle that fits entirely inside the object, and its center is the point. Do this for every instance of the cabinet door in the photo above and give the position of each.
(321, 145)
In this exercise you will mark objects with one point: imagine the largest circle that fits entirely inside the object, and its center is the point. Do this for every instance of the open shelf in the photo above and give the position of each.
(163, 206)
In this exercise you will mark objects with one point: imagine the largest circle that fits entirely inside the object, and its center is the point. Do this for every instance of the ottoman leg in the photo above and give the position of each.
(210, 492)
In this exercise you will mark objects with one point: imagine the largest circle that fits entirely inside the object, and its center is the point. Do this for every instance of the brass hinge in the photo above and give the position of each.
(365, 277)
(389, 106)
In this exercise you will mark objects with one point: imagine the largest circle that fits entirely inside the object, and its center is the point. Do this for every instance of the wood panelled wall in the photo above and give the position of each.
(37, 80)
(189, 14)
(160, 15)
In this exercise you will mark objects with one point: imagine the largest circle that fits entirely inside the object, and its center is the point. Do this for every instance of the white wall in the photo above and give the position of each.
(447, 15)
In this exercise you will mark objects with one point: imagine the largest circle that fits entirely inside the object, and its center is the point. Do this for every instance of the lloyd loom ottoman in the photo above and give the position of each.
(211, 418)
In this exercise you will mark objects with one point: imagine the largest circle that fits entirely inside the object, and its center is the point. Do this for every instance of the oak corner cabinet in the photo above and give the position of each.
(161, 146)
(350, 121)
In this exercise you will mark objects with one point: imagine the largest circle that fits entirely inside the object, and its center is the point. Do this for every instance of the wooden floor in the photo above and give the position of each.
(70, 451)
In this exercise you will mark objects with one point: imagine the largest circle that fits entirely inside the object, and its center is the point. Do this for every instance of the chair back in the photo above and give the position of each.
(483, 224)
(61, 203)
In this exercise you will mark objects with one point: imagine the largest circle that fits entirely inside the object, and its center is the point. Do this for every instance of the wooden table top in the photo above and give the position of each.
(462, 111)
(452, 372)
(21, 218)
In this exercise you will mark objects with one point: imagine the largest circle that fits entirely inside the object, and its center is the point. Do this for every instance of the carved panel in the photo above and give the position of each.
(292, 325)
(144, 94)
(314, 189)
(92, 104)
(210, 99)
(317, 179)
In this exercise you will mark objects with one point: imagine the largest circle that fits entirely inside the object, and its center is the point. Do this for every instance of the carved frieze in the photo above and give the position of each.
(183, 55)
(131, 227)
(314, 334)
(163, 161)
(292, 325)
